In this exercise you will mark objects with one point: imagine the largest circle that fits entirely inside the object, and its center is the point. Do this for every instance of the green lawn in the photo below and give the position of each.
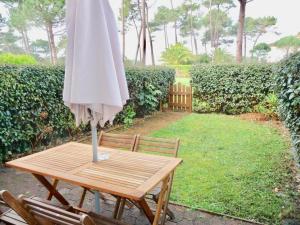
(183, 80)
(231, 166)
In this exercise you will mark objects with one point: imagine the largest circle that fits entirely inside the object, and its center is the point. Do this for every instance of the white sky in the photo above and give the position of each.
(286, 11)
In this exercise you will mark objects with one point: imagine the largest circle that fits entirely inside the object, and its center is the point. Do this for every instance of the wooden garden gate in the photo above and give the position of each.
(180, 98)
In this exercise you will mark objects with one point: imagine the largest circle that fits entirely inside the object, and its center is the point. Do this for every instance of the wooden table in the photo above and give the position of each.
(125, 174)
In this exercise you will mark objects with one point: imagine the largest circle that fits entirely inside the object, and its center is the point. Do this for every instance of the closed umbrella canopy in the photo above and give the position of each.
(95, 87)
(94, 78)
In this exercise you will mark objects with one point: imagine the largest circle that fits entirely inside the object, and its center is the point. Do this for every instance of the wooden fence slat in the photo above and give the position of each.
(180, 97)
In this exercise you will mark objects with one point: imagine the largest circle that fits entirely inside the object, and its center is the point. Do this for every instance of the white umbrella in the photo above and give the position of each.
(95, 87)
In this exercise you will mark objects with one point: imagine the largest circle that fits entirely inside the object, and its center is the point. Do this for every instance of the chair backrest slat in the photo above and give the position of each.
(32, 202)
(118, 141)
(51, 213)
(168, 147)
(49, 219)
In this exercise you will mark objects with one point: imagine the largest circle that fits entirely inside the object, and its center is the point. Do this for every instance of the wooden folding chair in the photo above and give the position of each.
(161, 146)
(33, 211)
(116, 141)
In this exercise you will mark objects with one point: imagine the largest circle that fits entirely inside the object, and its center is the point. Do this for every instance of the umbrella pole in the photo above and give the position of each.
(94, 142)
(95, 159)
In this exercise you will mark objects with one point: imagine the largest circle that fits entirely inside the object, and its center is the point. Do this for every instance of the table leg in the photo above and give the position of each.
(117, 206)
(121, 208)
(51, 189)
(82, 198)
(146, 209)
(54, 184)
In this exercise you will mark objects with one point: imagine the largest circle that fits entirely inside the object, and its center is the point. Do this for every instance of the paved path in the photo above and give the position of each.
(23, 183)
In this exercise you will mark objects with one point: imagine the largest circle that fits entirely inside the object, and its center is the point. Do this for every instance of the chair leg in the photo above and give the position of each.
(121, 208)
(82, 198)
(117, 206)
(169, 212)
(102, 196)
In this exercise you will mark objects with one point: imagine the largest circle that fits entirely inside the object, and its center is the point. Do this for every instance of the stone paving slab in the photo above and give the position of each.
(24, 183)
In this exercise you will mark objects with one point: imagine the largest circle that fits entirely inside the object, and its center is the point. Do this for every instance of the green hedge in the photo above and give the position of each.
(148, 86)
(288, 83)
(32, 112)
(231, 89)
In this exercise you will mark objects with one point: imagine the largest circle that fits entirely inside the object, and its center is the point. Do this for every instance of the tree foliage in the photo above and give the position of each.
(177, 54)
(261, 50)
(20, 59)
(288, 43)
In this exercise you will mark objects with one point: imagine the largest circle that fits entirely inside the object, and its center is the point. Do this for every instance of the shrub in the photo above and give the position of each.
(288, 83)
(221, 56)
(202, 58)
(148, 86)
(201, 106)
(269, 106)
(32, 112)
(232, 89)
(8, 58)
(126, 116)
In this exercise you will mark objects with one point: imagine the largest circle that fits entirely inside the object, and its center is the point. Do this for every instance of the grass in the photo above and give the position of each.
(183, 80)
(231, 166)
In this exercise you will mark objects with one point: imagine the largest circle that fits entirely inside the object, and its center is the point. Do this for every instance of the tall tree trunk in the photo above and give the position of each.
(138, 36)
(150, 37)
(165, 34)
(240, 32)
(192, 29)
(25, 40)
(51, 41)
(255, 42)
(216, 31)
(195, 44)
(210, 25)
(123, 31)
(175, 24)
(245, 46)
(144, 33)
(287, 52)
(192, 46)
(141, 29)
(138, 48)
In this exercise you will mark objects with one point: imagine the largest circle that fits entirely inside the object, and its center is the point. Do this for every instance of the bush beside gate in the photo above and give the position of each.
(33, 114)
(231, 89)
(288, 83)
